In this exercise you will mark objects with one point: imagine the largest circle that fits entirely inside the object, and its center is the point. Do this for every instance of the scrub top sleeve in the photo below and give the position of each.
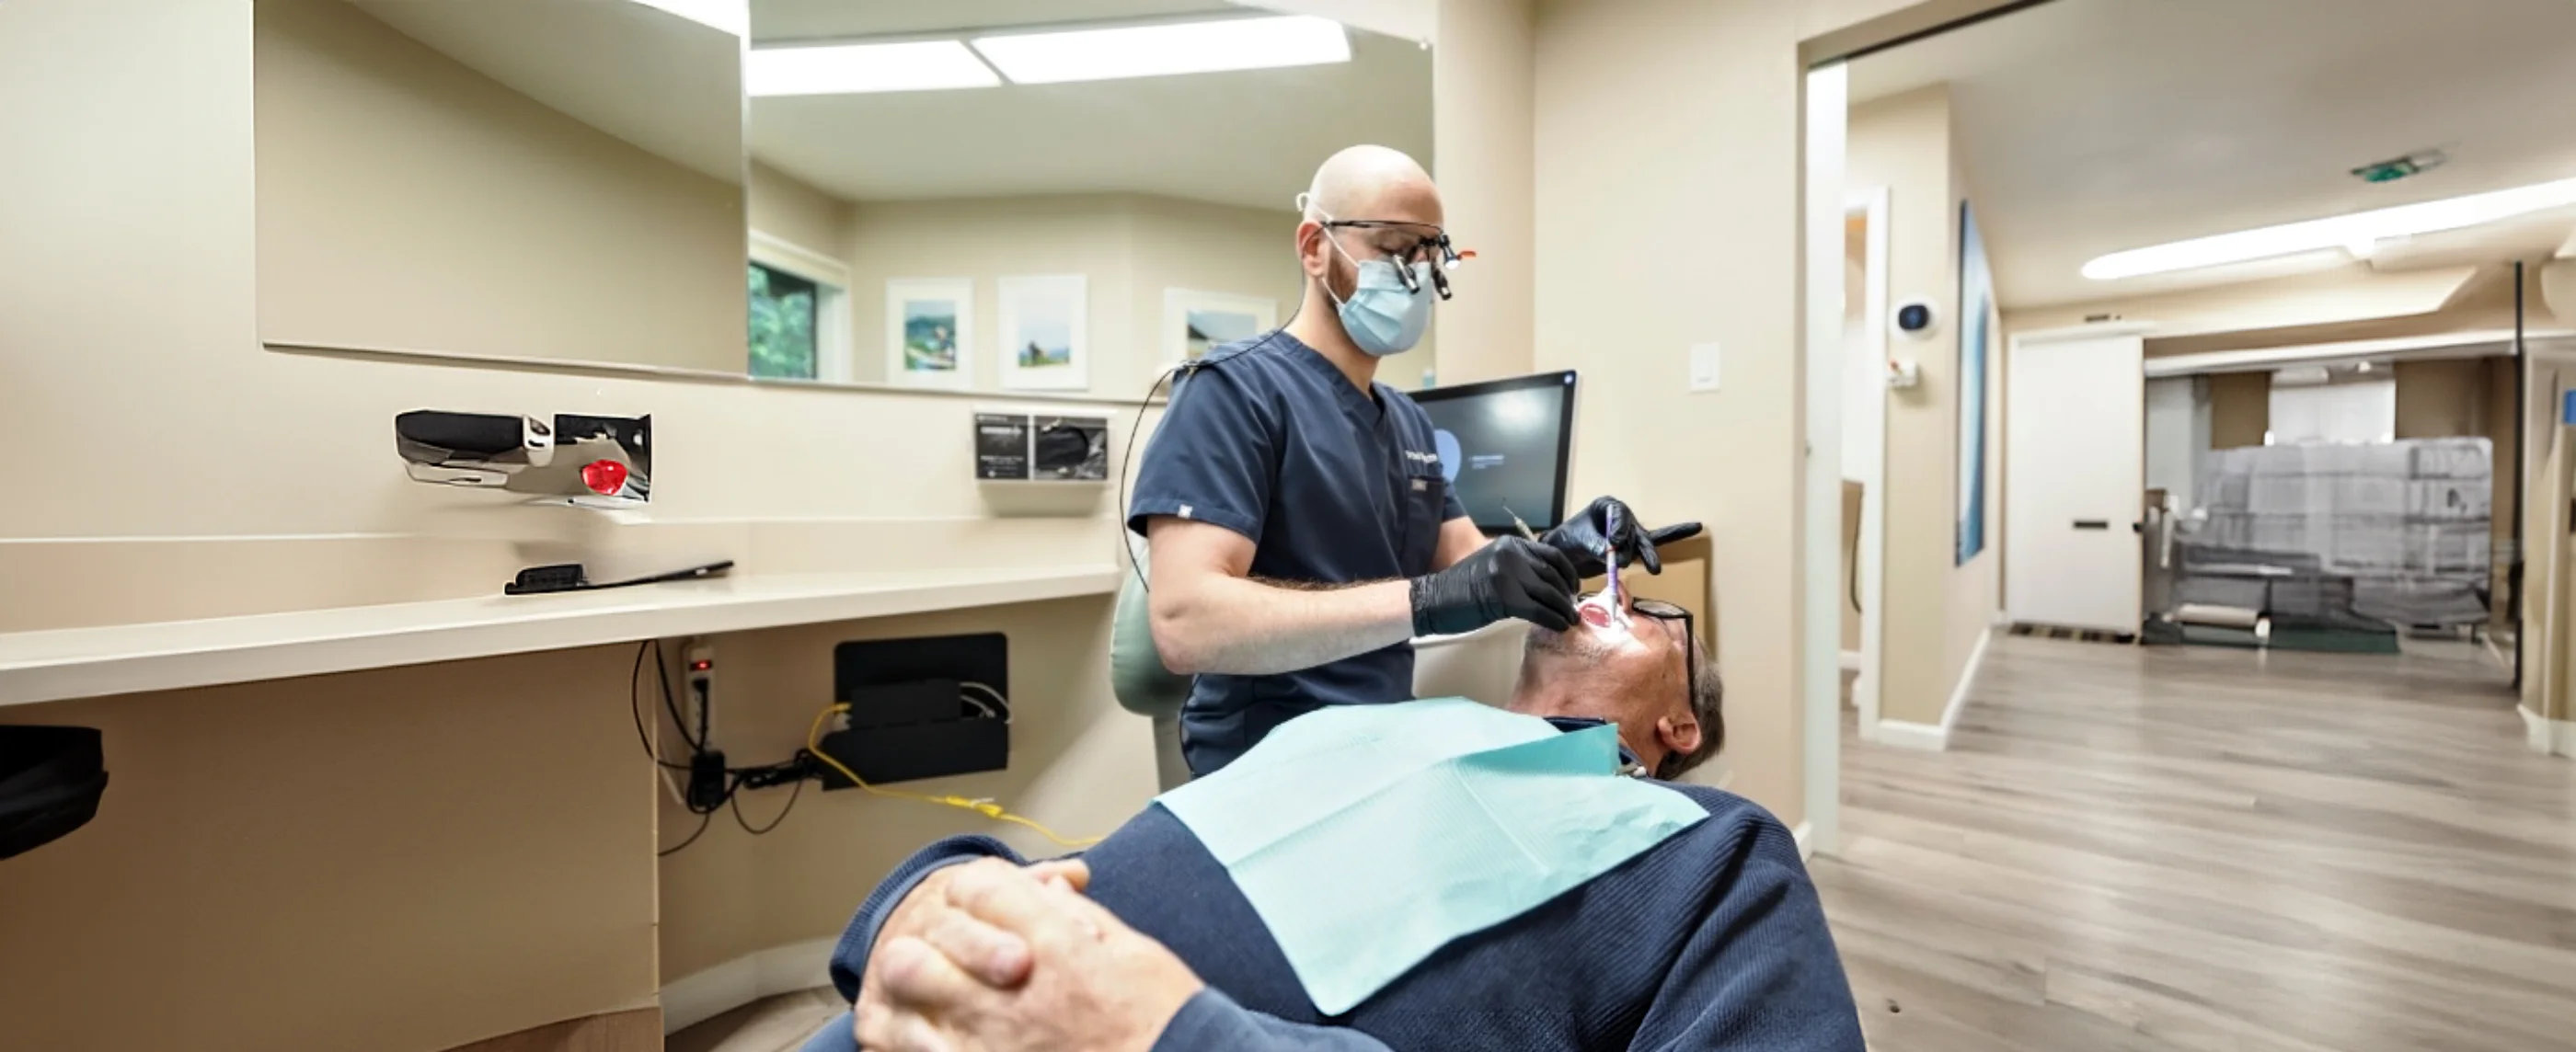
(1215, 456)
(1451, 510)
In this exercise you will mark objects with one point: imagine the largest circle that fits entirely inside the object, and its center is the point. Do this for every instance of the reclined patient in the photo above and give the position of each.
(1569, 903)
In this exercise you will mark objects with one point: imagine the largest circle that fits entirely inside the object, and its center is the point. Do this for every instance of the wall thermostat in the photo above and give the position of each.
(1021, 447)
(1917, 319)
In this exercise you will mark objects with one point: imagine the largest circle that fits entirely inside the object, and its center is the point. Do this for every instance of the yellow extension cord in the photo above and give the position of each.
(986, 808)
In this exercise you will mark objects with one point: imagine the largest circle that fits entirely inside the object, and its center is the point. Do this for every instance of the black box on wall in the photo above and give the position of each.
(909, 717)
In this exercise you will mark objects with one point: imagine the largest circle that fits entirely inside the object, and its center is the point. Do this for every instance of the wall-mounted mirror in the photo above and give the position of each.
(541, 179)
(1060, 197)
(1043, 195)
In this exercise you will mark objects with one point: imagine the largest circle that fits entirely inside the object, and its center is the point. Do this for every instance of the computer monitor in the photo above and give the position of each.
(1505, 445)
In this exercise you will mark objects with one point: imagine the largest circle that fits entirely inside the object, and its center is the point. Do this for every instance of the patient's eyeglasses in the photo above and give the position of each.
(1663, 611)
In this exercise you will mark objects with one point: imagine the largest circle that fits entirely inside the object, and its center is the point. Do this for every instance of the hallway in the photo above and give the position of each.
(2204, 849)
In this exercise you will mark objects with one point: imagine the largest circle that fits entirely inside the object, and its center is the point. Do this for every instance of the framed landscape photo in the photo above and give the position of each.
(930, 332)
(1196, 322)
(1044, 323)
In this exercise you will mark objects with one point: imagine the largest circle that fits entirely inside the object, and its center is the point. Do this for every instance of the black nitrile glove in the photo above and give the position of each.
(1583, 537)
(1511, 577)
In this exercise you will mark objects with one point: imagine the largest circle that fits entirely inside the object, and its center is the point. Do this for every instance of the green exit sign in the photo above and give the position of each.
(2394, 169)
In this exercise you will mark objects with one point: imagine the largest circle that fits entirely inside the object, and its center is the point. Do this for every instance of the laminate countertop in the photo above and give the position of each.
(59, 664)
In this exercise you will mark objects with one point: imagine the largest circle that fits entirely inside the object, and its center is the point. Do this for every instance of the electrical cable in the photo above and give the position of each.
(1127, 456)
(989, 692)
(734, 800)
(636, 712)
(706, 719)
(986, 808)
(674, 849)
(798, 769)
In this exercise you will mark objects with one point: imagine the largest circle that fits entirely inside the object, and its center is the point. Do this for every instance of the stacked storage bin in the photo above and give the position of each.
(2398, 530)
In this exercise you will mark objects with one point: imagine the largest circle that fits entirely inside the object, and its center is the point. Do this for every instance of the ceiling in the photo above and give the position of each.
(658, 81)
(2090, 126)
(773, 21)
(1247, 138)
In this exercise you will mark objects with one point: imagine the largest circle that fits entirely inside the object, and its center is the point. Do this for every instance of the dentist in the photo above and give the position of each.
(1301, 531)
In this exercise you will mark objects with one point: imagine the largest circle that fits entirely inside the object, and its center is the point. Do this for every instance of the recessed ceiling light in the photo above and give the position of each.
(1164, 50)
(730, 16)
(848, 69)
(2346, 231)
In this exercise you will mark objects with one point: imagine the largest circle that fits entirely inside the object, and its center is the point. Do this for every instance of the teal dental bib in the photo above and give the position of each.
(1369, 836)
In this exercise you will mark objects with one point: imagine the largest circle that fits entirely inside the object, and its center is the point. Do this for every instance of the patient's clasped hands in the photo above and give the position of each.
(992, 957)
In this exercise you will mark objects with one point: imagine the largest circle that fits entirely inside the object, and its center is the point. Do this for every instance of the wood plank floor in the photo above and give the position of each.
(2188, 848)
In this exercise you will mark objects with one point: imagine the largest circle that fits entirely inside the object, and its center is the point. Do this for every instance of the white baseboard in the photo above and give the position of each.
(1851, 661)
(1803, 834)
(2494, 652)
(1900, 734)
(2547, 736)
(1930, 737)
(696, 998)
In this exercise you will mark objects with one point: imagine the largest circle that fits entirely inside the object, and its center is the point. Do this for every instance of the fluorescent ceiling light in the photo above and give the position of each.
(2347, 231)
(729, 16)
(846, 69)
(1164, 50)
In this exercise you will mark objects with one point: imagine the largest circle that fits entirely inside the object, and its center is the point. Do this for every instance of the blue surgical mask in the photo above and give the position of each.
(1382, 316)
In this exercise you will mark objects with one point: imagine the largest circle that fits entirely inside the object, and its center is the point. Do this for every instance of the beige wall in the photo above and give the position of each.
(1675, 123)
(1129, 248)
(2240, 409)
(149, 182)
(2544, 638)
(1481, 79)
(498, 814)
(400, 860)
(2441, 398)
(406, 201)
(784, 207)
(1936, 609)
(1078, 764)
(1709, 90)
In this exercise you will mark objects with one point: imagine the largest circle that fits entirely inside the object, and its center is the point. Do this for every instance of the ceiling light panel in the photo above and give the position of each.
(729, 16)
(2356, 232)
(1166, 50)
(850, 69)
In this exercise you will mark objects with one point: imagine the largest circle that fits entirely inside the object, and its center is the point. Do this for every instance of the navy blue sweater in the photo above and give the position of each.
(1710, 940)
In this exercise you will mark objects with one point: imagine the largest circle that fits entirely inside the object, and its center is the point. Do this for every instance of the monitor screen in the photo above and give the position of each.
(1504, 446)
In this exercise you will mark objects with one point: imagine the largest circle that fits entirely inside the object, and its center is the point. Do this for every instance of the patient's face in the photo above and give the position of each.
(1632, 674)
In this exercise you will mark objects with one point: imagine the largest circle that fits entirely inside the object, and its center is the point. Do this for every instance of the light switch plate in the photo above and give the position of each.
(1703, 367)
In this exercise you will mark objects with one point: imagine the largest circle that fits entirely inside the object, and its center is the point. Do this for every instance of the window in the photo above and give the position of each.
(785, 316)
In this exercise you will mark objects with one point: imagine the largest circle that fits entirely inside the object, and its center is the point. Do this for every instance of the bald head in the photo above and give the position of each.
(1373, 182)
(1382, 207)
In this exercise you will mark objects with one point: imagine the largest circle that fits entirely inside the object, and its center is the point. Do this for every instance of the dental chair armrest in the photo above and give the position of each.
(1211, 1022)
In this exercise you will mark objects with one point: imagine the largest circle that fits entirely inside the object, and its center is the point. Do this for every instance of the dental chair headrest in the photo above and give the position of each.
(1136, 673)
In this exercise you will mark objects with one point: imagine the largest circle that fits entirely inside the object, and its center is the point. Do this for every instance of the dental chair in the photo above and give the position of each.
(1136, 673)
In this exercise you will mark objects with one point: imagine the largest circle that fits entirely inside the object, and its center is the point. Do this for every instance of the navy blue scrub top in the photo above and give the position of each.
(1268, 439)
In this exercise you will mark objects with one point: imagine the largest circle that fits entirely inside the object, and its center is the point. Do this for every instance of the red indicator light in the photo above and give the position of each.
(604, 477)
